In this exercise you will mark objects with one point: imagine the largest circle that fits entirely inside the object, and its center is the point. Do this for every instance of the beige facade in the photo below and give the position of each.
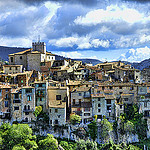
(11, 69)
(57, 100)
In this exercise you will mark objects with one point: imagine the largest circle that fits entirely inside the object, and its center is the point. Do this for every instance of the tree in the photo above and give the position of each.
(93, 130)
(17, 134)
(49, 143)
(38, 110)
(81, 145)
(74, 119)
(18, 147)
(106, 127)
(66, 145)
(86, 145)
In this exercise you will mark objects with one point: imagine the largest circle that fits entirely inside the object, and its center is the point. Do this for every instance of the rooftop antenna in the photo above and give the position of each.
(38, 38)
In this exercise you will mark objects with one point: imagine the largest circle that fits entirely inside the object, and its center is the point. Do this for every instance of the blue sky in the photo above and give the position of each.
(106, 30)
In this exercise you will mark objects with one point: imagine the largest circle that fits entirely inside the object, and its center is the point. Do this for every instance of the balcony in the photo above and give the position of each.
(87, 96)
(28, 110)
(76, 105)
(17, 101)
(78, 113)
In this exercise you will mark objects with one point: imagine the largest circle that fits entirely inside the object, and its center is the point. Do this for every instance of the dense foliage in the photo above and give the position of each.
(74, 119)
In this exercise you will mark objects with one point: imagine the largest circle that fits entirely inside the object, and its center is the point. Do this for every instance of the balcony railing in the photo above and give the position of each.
(28, 110)
(87, 96)
(16, 101)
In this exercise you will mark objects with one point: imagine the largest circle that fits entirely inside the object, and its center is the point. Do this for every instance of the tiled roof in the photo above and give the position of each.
(81, 89)
(97, 95)
(109, 97)
(57, 104)
(22, 52)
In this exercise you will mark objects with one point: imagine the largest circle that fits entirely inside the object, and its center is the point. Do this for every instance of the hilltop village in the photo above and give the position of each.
(35, 77)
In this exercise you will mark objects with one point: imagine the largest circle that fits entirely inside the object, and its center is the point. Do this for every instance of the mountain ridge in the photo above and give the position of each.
(5, 51)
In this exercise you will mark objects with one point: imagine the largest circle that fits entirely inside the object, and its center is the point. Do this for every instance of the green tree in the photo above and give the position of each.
(66, 145)
(93, 130)
(91, 145)
(18, 147)
(74, 119)
(38, 110)
(17, 134)
(49, 143)
(106, 127)
(81, 145)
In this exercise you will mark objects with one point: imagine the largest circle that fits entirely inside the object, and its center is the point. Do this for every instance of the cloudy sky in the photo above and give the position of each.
(102, 29)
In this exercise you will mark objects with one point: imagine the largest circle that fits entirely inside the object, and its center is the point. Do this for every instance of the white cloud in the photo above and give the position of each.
(97, 43)
(136, 55)
(81, 42)
(16, 42)
(112, 13)
(74, 54)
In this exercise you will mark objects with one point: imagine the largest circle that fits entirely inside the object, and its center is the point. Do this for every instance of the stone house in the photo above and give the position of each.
(81, 103)
(31, 59)
(146, 74)
(11, 69)
(57, 104)
(5, 103)
(28, 104)
(41, 94)
(16, 105)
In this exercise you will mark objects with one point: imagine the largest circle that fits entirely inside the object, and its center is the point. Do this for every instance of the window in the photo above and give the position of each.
(25, 107)
(99, 99)
(11, 59)
(10, 68)
(125, 99)
(79, 94)
(28, 90)
(86, 114)
(132, 88)
(50, 121)
(108, 107)
(20, 57)
(80, 102)
(145, 104)
(108, 101)
(98, 92)
(74, 101)
(16, 96)
(99, 105)
(26, 113)
(28, 98)
(16, 68)
(102, 87)
(26, 119)
(56, 121)
(41, 98)
(50, 110)
(120, 87)
(62, 84)
(6, 103)
(110, 87)
(16, 108)
(58, 97)
(56, 110)
(120, 106)
(28, 107)
(99, 110)
(86, 85)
